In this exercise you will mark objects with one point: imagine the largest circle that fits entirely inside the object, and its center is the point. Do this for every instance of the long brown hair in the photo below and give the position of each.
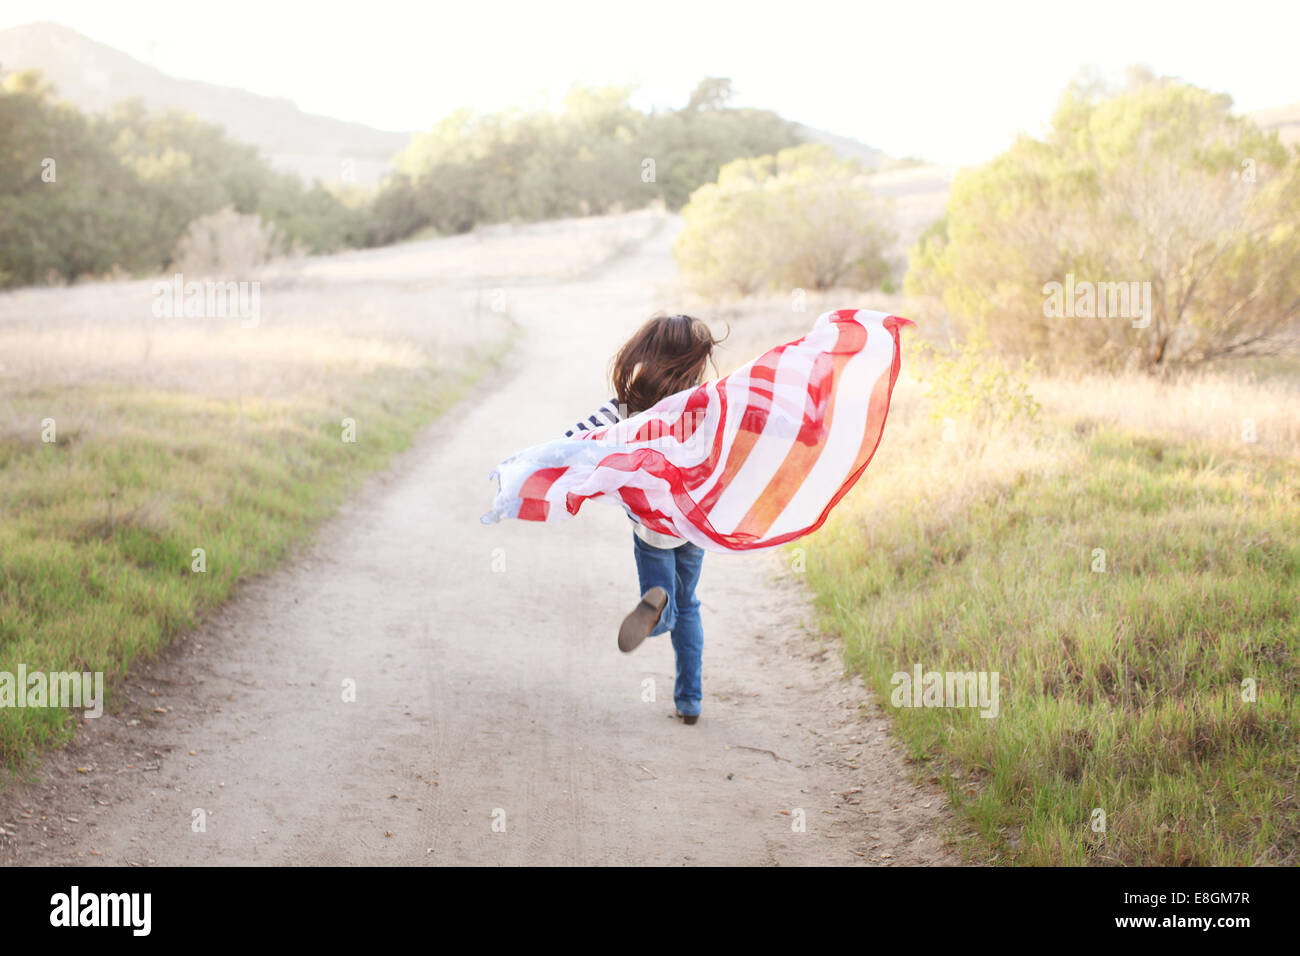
(668, 354)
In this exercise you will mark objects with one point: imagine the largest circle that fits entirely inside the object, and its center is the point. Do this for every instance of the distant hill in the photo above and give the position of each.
(844, 147)
(1284, 119)
(93, 76)
(869, 156)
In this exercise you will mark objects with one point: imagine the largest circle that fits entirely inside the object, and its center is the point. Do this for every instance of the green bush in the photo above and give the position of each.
(974, 388)
(798, 219)
(1158, 193)
(598, 154)
(90, 195)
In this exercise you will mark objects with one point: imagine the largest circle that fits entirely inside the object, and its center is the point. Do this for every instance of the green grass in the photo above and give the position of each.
(1120, 690)
(97, 530)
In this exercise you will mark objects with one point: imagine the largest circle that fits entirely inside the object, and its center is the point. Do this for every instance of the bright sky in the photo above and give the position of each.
(948, 81)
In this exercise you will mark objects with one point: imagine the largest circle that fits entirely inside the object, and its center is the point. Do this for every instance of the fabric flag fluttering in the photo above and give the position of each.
(752, 460)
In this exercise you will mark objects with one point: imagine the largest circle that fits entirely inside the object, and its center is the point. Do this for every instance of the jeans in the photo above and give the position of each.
(677, 570)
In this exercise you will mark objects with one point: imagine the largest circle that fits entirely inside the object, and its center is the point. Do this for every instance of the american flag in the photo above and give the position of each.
(752, 460)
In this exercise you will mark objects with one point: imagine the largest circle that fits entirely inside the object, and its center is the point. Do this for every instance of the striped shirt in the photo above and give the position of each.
(611, 413)
(607, 414)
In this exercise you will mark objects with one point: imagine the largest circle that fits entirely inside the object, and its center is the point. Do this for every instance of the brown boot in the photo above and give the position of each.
(638, 625)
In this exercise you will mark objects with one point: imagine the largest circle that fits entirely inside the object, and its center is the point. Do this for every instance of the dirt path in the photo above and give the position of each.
(485, 696)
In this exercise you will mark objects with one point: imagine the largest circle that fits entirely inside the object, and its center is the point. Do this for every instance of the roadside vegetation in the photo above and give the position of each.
(139, 490)
(1134, 586)
(1099, 504)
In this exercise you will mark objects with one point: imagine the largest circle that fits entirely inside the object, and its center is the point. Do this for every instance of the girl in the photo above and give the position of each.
(667, 355)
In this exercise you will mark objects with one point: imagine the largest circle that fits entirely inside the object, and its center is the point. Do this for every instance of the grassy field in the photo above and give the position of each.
(100, 525)
(1123, 563)
(176, 435)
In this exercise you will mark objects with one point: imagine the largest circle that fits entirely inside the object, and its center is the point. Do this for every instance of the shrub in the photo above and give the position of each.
(798, 219)
(1159, 188)
(975, 387)
(226, 243)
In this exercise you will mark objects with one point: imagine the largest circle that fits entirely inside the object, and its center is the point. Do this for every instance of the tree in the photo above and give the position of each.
(88, 195)
(1151, 227)
(712, 93)
(799, 218)
(67, 206)
(587, 158)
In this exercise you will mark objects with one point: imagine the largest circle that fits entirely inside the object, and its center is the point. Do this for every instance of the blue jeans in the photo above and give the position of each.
(677, 570)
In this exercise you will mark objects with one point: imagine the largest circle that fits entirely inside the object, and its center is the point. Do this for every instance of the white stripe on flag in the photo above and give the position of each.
(767, 454)
(836, 461)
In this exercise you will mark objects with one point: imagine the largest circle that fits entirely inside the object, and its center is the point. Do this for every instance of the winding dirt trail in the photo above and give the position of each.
(486, 696)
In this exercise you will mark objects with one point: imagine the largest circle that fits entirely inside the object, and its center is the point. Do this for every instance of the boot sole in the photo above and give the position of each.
(637, 625)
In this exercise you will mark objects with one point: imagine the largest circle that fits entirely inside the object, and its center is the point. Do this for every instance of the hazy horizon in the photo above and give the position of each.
(890, 76)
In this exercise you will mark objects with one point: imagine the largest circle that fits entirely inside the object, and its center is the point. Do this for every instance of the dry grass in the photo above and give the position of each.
(1218, 407)
(1121, 680)
(554, 250)
(182, 433)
